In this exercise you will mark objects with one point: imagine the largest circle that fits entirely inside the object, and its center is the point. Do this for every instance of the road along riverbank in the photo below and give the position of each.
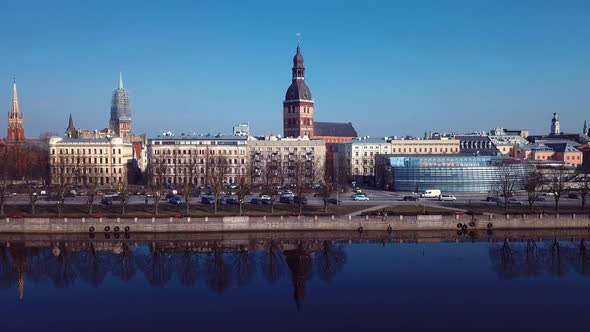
(462, 223)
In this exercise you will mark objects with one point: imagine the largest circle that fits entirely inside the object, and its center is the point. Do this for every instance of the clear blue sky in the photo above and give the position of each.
(390, 67)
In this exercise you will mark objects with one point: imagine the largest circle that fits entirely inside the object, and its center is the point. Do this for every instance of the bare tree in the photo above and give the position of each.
(272, 172)
(91, 188)
(190, 181)
(243, 190)
(60, 183)
(3, 178)
(506, 183)
(533, 185)
(218, 170)
(124, 194)
(557, 184)
(584, 186)
(157, 178)
(326, 188)
(304, 174)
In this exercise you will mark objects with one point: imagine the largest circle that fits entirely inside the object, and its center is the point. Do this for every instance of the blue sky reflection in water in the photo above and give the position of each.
(316, 286)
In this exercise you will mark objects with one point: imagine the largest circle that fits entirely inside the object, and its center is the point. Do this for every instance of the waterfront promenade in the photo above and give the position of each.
(459, 223)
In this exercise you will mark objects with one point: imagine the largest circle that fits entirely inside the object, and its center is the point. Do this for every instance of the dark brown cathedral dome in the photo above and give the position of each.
(298, 90)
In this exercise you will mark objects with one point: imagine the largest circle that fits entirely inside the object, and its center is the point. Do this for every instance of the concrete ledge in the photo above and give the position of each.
(297, 223)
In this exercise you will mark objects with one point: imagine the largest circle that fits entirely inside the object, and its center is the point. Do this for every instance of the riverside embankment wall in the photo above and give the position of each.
(303, 223)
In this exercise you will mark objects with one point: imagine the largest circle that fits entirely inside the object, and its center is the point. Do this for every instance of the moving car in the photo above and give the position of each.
(447, 198)
(410, 198)
(431, 193)
(548, 194)
(514, 201)
(492, 199)
(358, 195)
(361, 198)
(106, 201)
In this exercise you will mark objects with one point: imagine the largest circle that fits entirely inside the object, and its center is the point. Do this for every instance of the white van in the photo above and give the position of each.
(430, 193)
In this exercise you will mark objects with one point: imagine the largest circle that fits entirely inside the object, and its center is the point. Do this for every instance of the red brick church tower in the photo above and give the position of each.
(16, 130)
(298, 105)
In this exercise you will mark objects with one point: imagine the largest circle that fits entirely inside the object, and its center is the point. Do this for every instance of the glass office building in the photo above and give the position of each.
(458, 173)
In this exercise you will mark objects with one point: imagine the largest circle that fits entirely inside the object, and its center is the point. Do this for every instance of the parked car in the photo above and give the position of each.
(447, 198)
(111, 194)
(106, 201)
(262, 196)
(256, 200)
(492, 199)
(361, 198)
(411, 198)
(548, 194)
(287, 193)
(266, 201)
(513, 201)
(207, 200)
(287, 199)
(232, 201)
(358, 195)
(175, 200)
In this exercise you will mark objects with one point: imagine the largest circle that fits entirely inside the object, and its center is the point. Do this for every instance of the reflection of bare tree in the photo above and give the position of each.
(329, 261)
(558, 266)
(272, 263)
(218, 271)
(244, 266)
(503, 260)
(65, 274)
(533, 265)
(187, 268)
(92, 269)
(126, 267)
(299, 262)
(157, 268)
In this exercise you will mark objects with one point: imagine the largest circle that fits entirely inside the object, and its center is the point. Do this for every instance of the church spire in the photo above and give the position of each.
(14, 97)
(120, 87)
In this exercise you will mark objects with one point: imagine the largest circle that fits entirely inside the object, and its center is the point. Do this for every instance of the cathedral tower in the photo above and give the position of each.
(16, 129)
(120, 121)
(555, 125)
(298, 105)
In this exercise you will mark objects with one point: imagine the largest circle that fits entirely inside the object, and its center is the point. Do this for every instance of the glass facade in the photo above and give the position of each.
(454, 173)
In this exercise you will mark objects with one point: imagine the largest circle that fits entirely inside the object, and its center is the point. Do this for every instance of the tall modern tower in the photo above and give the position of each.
(298, 105)
(16, 129)
(120, 121)
(555, 125)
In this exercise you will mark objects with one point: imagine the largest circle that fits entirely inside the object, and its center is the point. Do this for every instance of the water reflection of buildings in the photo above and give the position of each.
(220, 265)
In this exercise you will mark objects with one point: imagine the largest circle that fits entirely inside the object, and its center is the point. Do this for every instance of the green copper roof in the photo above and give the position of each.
(120, 80)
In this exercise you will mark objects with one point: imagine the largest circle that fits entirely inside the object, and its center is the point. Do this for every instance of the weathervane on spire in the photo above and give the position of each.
(298, 38)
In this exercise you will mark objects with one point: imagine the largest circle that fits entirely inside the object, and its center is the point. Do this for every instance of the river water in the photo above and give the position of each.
(295, 282)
